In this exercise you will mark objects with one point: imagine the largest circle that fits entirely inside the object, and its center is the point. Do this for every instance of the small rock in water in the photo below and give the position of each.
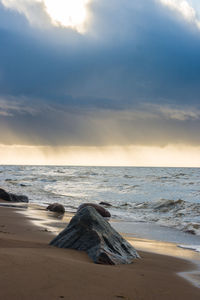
(12, 197)
(190, 231)
(105, 204)
(56, 207)
(89, 231)
(100, 209)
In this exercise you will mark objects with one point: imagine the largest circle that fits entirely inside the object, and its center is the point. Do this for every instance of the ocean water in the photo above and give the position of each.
(168, 197)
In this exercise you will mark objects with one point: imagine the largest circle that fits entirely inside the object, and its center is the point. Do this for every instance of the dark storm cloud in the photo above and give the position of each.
(74, 123)
(134, 77)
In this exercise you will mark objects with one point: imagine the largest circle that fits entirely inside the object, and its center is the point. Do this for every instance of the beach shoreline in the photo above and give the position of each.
(31, 269)
(54, 223)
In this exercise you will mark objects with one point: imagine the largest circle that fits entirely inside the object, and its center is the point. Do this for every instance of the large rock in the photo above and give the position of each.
(101, 210)
(56, 207)
(89, 231)
(12, 197)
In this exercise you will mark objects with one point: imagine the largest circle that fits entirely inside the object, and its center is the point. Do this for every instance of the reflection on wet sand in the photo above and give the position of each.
(54, 223)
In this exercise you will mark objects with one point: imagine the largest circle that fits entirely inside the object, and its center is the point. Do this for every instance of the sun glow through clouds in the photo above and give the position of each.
(68, 13)
(61, 13)
(132, 155)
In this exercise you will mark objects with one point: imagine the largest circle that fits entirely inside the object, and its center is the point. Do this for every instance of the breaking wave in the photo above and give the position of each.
(164, 196)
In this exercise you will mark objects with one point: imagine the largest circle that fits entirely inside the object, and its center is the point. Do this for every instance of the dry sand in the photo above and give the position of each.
(30, 269)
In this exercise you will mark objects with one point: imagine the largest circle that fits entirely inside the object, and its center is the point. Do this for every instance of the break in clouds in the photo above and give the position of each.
(132, 76)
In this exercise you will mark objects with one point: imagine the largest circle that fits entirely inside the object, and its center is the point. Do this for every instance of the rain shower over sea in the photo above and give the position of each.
(157, 203)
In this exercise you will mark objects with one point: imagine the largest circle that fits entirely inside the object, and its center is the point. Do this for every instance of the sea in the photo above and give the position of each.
(157, 203)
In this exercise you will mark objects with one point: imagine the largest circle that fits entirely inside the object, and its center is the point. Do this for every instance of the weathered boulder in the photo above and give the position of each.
(89, 231)
(56, 207)
(12, 197)
(100, 209)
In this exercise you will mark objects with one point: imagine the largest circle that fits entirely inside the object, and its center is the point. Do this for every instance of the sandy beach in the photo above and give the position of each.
(31, 269)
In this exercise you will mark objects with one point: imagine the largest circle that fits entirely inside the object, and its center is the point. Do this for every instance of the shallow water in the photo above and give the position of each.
(168, 197)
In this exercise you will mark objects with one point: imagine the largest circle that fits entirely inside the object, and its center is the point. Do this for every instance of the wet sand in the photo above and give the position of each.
(31, 269)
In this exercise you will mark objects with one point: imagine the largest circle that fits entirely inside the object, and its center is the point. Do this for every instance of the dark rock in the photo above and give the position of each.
(105, 204)
(125, 204)
(190, 231)
(12, 197)
(4, 195)
(100, 209)
(89, 231)
(56, 207)
(19, 198)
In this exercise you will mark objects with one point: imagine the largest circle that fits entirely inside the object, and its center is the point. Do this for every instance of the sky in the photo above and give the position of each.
(90, 82)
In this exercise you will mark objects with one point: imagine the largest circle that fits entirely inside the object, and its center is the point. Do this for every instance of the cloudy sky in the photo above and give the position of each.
(100, 82)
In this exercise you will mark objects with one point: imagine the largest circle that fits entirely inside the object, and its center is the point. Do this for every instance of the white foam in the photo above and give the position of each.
(193, 277)
(191, 247)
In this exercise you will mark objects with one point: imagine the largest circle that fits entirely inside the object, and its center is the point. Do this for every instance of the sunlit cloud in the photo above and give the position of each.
(9, 107)
(33, 10)
(173, 112)
(185, 8)
(60, 13)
